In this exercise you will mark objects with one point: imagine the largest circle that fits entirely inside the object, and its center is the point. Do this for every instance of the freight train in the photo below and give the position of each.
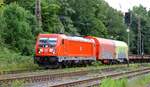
(54, 50)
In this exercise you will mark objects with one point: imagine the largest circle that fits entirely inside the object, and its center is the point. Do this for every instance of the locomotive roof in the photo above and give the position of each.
(78, 38)
(117, 43)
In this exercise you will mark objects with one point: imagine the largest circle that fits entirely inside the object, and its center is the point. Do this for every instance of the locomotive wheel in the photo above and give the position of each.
(90, 62)
(85, 63)
(54, 66)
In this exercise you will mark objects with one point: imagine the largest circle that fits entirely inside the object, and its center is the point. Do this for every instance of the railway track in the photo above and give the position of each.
(95, 81)
(18, 71)
(39, 77)
(35, 77)
(53, 77)
(38, 70)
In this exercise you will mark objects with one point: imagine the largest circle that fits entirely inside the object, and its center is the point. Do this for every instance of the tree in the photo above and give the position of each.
(18, 31)
(9, 1)
(74, 17)
(112, 19)
(65, 14)
(2, 26)
(85, 19)
(50, 18)
(1, 4)
(28, 5)
(143, 14)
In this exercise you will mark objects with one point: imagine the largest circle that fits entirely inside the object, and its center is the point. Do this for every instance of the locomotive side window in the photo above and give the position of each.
(47, 42)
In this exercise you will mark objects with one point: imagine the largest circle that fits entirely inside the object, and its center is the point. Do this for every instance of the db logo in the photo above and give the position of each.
(46, 50)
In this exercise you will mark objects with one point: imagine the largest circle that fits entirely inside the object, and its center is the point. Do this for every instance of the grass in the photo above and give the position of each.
(11, 61)
(14, 84)
(108, 82)
(141, 81)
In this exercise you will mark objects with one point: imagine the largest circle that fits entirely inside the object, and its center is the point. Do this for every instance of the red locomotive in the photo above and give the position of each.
(53, 50)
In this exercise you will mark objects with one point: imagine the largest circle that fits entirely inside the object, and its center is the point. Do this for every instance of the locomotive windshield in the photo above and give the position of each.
(47, 42)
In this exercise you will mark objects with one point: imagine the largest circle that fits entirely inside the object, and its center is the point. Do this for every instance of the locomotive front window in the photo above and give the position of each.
(47, 42)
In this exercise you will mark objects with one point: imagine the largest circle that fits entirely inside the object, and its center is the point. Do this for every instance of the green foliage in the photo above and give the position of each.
(143, 14)
(97, 28)
(50, 18)
(97, 63)
(2, 27)
(65, 16)
(18, 84)
(1, 5)
(84, 18)
(18, 28)
(112, 19)
(14, 84)
(75, 17)
(11, 61)
(93, 18)
(1, 1)
(27, 4)
(9, 1)
(114, 83)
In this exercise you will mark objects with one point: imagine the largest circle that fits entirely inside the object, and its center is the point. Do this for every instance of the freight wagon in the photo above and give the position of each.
(110, 51)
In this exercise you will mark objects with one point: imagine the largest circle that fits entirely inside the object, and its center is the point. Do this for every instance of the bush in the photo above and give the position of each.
(97, 63)
(11, 61)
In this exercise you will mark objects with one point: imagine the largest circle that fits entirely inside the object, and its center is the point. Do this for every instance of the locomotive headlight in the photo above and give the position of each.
(40, 51)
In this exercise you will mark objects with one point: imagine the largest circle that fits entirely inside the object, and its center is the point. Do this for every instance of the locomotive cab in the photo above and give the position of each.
(45, 50)
(46, 45)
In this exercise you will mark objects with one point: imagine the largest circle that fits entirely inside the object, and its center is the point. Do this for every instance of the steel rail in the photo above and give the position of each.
(31, 78)
(96, 80)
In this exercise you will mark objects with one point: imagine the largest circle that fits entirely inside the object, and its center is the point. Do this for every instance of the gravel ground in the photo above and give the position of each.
(70, 79)
(75, 78)
(45, 72)
(65, 79)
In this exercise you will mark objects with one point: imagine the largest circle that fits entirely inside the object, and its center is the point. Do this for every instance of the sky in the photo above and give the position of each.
(124, 5)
